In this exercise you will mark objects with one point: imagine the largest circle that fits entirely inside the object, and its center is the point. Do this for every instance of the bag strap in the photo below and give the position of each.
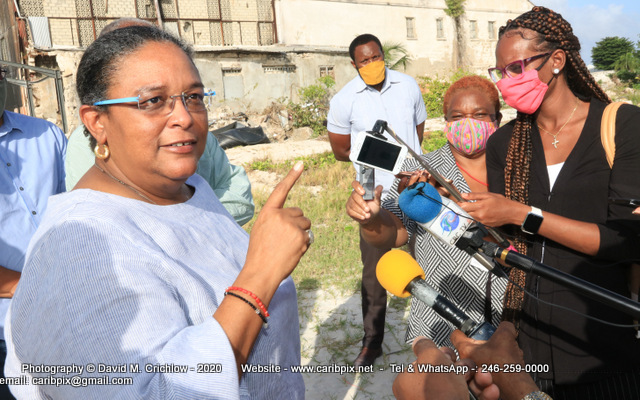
(608, 131)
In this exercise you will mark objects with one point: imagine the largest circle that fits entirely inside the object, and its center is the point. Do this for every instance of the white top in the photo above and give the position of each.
(356, 108)
(117, 281)
(554, 171)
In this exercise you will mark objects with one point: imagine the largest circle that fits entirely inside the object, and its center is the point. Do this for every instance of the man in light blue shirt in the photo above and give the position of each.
(229, 182)
(376, 93)
(32, 154)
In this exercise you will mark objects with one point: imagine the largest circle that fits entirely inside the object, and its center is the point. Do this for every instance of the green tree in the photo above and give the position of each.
(627, 62)
(628, 68)
(609, 50)
(455, 9)
(395, 55)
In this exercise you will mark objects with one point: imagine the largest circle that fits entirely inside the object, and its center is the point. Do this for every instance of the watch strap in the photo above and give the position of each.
(529, 224)
(536, 211)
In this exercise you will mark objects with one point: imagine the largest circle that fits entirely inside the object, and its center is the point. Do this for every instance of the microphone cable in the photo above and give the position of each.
(533, 296)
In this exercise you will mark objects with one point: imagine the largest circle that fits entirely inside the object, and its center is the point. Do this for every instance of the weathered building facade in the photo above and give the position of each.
(422, 26)
(253, 52)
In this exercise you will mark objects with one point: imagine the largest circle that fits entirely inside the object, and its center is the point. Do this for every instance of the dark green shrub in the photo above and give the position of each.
(314, 105)
(433, 90)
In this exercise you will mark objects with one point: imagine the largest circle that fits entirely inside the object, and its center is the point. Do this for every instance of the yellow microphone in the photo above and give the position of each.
(400, 274)
(395, 270)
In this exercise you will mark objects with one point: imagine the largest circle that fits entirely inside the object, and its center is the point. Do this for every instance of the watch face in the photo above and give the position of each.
(532, 223)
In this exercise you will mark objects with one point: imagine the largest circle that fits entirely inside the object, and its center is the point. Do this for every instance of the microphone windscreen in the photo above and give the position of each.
(420, 202)
(395, 270)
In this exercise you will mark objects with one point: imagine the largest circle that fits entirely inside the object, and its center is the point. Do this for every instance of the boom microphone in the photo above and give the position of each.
(595, 292)
(401, 275)
(442, 218)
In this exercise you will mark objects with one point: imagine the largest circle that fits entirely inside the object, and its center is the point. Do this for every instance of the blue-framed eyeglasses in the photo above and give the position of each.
(514, 69)
(162, 104)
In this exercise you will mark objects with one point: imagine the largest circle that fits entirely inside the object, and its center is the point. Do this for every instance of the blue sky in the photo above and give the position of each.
(593, 20)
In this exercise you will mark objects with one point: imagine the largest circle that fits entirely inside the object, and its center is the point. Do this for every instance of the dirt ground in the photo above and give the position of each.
(331, 321)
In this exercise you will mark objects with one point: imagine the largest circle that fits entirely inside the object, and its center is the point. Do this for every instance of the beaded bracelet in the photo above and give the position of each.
(253, 296)
(262, 317)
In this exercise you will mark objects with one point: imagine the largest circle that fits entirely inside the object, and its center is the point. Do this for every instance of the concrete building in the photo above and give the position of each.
(253, 52)
(422, 26)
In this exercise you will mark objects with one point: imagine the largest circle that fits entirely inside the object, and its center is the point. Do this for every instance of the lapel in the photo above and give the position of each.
(576, 157)
(538, 161)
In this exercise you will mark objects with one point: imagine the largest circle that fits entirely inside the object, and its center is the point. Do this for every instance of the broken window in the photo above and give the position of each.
(411, 28)
(473, 29)
(492, 29)
(327, 70)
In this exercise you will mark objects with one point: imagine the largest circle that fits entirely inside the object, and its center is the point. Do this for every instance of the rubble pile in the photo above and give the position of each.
(274, 120)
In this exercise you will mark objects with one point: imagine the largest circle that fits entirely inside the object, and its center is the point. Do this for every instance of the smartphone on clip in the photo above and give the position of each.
(374, 152)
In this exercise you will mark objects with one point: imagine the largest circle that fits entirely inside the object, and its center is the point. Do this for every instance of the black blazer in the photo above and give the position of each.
(575, 348)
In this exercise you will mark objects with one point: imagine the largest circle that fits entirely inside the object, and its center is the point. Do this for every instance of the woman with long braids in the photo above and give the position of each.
(551, 181)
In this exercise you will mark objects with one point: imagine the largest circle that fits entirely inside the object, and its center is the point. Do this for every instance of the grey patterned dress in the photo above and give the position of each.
(452, 272)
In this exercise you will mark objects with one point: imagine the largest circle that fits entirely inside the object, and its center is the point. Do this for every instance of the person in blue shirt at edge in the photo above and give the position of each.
(32, 154)
(376, 93)
(229, 182)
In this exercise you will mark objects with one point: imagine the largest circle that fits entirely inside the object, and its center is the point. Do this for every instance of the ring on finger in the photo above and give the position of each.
(311, 236)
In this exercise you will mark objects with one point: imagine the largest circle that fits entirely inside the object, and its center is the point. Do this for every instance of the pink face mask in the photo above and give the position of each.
(468, 135)
(524, 93)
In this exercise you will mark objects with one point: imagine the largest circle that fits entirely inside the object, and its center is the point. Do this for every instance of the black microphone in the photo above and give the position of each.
(401, 275)
(595, 292)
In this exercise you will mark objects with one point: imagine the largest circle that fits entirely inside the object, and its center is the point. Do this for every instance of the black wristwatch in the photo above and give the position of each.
(533, 221)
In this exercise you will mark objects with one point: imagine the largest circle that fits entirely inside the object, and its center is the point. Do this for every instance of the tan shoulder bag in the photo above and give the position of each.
(608, 131)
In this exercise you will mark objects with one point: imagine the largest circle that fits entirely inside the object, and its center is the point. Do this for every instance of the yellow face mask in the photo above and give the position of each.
(372, 73)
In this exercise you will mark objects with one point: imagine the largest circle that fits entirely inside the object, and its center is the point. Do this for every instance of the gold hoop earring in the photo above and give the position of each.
(104, 154)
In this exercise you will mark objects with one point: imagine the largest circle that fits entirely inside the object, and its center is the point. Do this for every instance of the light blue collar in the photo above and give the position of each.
(8, 123)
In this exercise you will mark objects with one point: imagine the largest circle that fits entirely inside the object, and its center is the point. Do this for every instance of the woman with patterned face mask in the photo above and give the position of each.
(551, 182)
(472, 113)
